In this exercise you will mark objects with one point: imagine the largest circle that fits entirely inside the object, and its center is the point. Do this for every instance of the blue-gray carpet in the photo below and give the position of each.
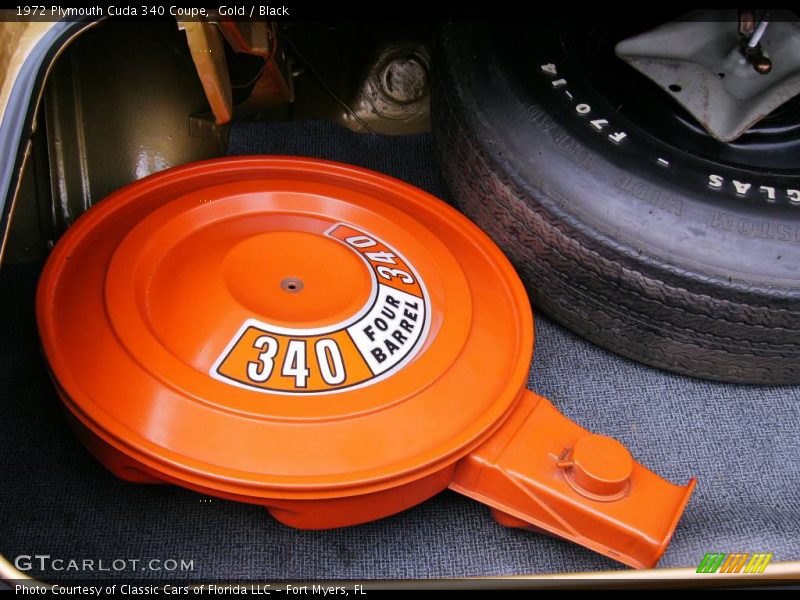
(742, 443)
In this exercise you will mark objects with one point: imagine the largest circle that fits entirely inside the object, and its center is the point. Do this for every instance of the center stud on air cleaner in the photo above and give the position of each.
(327, 342)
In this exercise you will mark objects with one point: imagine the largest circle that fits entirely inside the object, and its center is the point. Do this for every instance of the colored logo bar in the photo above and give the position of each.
(737, 562)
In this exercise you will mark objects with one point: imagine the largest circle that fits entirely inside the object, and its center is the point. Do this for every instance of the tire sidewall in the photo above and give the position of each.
(654, 206)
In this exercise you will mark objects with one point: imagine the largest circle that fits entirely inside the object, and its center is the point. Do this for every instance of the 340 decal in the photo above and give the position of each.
(380, 338)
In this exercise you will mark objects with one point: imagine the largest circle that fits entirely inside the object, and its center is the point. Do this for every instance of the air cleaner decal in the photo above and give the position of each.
(378, 340)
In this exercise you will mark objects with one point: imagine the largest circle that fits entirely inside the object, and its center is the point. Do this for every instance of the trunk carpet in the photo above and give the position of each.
(742, 443)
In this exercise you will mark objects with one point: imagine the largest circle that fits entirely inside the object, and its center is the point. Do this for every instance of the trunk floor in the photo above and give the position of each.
(741, 442)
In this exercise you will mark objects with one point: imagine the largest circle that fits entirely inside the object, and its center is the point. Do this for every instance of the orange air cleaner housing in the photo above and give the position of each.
(327, 342)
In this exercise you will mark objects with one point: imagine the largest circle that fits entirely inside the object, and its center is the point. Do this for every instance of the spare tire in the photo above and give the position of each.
(629, 224)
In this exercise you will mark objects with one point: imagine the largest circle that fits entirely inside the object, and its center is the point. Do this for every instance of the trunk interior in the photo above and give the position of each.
(739, 441)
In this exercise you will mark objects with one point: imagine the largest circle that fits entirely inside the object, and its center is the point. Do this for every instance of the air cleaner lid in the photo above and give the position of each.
(284, 326)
